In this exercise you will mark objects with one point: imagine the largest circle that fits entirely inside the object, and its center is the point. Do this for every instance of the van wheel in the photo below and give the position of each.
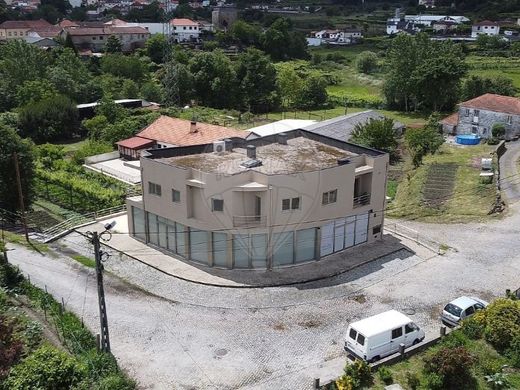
(416, 341)
(375, 359)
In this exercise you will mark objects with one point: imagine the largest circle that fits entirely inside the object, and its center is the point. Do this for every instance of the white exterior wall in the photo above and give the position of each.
(486, 30)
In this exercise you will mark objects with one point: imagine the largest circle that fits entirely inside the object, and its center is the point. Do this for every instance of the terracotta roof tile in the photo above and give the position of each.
(451, 120)
(486, 23)
(183, 22)
(135, 143)
(25, 24)
(176, 132)
(497, 103)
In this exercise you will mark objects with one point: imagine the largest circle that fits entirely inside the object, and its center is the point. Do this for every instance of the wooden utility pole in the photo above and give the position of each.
(20, 194)
(103, 319)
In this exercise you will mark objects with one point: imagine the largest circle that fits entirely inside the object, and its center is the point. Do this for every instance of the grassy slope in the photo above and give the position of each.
(471, 200)
(495, 66)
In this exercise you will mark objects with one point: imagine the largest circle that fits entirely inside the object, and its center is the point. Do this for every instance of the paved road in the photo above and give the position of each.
(509, 172)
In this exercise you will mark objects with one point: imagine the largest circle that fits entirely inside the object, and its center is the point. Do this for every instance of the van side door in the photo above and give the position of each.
(397, 338)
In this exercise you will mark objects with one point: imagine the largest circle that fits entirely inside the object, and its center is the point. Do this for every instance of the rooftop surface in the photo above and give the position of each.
(497, 103)
(279, 127)
(299, 155)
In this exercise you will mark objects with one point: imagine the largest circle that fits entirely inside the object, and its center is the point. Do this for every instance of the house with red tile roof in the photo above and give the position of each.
(167, 132)
(185, 30)
(479, 115)
(485, 27)
(18, 29)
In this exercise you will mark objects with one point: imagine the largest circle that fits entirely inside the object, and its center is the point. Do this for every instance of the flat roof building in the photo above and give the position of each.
(280, 200)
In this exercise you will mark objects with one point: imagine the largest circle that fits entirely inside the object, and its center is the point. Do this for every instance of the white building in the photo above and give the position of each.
(185, 30)
(485, 27)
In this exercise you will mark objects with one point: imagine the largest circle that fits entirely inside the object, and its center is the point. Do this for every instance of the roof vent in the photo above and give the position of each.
(282, 138)
(193, 126)
(251, 163)
(251, 152)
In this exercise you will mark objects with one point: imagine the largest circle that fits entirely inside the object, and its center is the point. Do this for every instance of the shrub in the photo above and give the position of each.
(433, 381)
(473, 328)
(385, 375)
(498, 130)
(453, 364)
(345, 382)
(493, 141)
(360, 372)
(502, 323)
(10, 347)
(90, 148)
(412, 380)
(366, 62)
(45, 368)
(513, 352)
(114, 382)
(497, 381)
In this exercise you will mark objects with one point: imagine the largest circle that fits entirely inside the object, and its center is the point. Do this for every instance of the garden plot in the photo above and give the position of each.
(439, 185)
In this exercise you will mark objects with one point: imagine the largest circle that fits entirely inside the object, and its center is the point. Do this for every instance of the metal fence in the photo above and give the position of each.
(414, 235)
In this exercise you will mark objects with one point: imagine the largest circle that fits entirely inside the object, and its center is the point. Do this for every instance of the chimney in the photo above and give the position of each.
(193, 126)
(229, 144)
(282, 138)
(251, 152)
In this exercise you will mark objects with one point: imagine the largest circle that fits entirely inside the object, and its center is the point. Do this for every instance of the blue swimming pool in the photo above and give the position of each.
(468, 139)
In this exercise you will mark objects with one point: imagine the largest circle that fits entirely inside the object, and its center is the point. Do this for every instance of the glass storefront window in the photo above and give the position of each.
(199, 248)
(241, 250)
(259, 250)
(139, 225)
(283, 248)
(153, 232)
(179, 237)
(305, 245)
(220, 249)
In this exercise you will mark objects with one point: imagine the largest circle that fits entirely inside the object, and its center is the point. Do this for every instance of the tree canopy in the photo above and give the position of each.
(424, 140)
(378, 134)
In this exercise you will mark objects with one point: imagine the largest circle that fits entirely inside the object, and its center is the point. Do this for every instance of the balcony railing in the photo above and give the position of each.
(361, 200)
(249, 220)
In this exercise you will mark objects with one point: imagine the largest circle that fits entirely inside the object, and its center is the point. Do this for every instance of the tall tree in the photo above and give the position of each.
(177, 81)
(313, 93)
(256, 76)
(156, 48)
(113, 45)
(378, 134)
(281, 42)
(289, 84)
(12, 142)
(424, 140)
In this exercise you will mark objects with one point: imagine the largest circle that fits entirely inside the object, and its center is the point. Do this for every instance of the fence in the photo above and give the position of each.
(415, 236)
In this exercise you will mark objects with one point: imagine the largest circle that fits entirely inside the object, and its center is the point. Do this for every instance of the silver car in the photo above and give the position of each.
(460, 309)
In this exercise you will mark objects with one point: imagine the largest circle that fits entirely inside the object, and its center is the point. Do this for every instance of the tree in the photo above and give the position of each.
(498, 130)
(424, 140)
(177, 81)
(378, 134)
(475, 86)
(245, 33)
(156, 48)
(281, 42)
(119, 65)
(49, 119)
(12, 142)
(34, 91)
(366, 62)
(257, 81)
(313, 93)
(113, 45)
(112, 111)
(423, 74)
(289, 85)
(214, 79)
(152, 92)
(453, 365)
(130, 89)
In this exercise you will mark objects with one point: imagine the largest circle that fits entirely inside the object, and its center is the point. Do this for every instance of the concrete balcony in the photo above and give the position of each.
(249, 220)
(361, 200)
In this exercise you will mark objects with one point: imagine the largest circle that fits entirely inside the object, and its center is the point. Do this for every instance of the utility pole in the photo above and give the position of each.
(103, 319)
(20, 194)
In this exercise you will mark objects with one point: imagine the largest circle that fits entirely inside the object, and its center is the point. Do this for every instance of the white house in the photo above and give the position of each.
(185, 30)
(485, 27)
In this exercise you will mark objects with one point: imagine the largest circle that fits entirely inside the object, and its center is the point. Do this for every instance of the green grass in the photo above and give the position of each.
(19, 239)
(495, 66)
(471, 200)
(72, 146)
(85, 261)
(391, 188)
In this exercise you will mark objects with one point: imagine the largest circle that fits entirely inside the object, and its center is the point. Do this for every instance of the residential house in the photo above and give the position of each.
(271, 202)
(414, 23)
(95, 38)
(18, 29)
(41, 42)
(427, 3)
(485, 27)
(445, 25)
(478, 115)
(167, 132)
(184, 30)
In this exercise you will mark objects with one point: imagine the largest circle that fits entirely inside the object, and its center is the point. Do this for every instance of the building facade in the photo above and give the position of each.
(185, 30)
(276, 201)
(95, 38)
(485, 28)
(19, 29)
(478, 116)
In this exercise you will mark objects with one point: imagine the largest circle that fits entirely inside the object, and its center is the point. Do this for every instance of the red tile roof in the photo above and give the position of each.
(497, 103)
(486, 23)
(176, 132)
(108, 30)
(451, 120)
(135, 143)
(47, 32)
(183, 22)
(12, 24)
(67, 23)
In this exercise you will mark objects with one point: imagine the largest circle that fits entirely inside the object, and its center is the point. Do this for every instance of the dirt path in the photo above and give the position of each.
(509, 172)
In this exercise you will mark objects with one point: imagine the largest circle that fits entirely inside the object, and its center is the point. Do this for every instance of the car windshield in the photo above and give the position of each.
(452, 309)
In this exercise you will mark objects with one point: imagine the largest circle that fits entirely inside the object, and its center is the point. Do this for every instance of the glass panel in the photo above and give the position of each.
(332, 196)
(327, 239)
(295, 205)
(163, 235)
(350, 231)
(199, 245)
(220, 249)
(153, 233)
(283, 248)
(172, 242)
(286, 204)
(361, 228)
(179, 235)
(259, 250)
(139, 226)
(305, 245)
(241, 250)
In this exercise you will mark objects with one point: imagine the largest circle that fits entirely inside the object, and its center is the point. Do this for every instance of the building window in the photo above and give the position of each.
(217, 204)
(94, 38)
(100, 38)
(466, 112)
(154, 189)
(176, 196)
(376, 229)
(476, 113)
(329, 197)
(509, 119)
(291, 204)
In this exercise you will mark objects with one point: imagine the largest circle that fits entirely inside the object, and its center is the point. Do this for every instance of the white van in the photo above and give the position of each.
(378, 336)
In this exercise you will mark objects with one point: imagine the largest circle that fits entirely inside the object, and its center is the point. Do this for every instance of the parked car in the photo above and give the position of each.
(378, 336)
(460, 309)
